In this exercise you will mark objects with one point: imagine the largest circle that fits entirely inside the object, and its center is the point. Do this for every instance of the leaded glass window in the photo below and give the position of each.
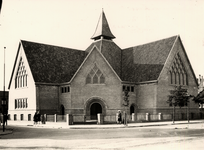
(177, 73)
(95, 76)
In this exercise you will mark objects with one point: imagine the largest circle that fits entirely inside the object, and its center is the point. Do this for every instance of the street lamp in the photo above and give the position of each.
(4, 97)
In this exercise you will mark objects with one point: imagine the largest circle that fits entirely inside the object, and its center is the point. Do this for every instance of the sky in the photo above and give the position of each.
(71, 23)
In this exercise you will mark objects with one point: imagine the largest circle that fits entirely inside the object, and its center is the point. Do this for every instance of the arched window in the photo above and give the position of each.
(177, 72)
(102, 79)
(88, 79)
(170, 77)
(95, 76)
(173, 77)
(181, 78)
(177, 78)
(21, 76)
(95, 79)
(184, 79)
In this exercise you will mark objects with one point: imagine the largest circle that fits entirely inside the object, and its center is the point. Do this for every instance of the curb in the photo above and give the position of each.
(64, 126)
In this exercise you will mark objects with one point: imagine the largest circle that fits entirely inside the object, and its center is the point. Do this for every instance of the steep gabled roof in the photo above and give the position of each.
(52, 64)
(145, 62)
(102, 29)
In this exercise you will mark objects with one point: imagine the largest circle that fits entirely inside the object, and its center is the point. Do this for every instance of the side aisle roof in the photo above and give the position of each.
(51, 64)
(145, 62)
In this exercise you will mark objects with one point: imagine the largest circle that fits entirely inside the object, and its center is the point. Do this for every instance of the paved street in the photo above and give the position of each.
(179, 136)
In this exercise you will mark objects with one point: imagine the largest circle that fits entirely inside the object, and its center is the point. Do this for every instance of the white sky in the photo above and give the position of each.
(71, 23)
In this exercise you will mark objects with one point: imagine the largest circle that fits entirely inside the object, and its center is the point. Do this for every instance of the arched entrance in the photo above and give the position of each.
(132, 109)
(93, 106)
(94, 110)
(62, 110)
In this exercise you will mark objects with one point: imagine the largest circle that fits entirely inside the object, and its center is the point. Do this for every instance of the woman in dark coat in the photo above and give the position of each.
(38, 117)
(119, 117)
(35, 118)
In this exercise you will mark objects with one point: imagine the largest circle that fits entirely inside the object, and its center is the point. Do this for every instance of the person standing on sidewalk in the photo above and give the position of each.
(38, 117)
(5, 119)
(35, 119)
(119, 117)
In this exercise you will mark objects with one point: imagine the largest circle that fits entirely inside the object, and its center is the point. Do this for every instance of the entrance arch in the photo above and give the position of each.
(94, 110)
(93, 106)
(132, 109)
(62, 110)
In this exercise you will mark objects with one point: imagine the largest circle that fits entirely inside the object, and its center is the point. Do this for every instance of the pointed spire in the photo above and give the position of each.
(102, 29)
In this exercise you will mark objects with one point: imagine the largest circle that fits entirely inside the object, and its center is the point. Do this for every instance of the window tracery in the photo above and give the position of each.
(95, 76)
(177, 72)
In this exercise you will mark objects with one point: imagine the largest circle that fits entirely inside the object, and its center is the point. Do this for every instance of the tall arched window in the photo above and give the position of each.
(177, 78)
(178, 74)
(170, 77)
(173, 78)
(102, 79)
(88, 78)
(95, 79)
(181, 78)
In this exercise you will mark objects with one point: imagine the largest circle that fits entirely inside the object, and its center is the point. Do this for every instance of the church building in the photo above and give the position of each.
(83, 83)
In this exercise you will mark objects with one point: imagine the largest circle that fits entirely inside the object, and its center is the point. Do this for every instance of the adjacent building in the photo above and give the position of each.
(60, 80)
(2, 96)
(200, 83)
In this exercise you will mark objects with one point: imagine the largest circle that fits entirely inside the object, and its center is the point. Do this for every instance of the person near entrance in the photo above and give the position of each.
(119, 117)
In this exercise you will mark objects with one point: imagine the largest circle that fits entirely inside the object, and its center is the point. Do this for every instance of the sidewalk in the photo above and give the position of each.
(89, 126)
(8, 130)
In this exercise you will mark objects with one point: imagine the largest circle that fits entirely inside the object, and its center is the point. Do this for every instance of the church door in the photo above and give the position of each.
(62, 110)
(95, 109)
(132, 110)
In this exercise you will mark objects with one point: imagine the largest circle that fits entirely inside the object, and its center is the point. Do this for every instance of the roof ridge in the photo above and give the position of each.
(50, 45)
(151, 42)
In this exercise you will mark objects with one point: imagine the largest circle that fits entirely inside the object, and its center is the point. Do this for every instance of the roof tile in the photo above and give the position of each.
(52, 64)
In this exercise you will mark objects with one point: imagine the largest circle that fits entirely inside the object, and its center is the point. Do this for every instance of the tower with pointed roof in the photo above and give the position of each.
(103, 29)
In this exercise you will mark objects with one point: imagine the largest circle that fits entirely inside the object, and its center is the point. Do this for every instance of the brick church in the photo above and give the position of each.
(60, 80)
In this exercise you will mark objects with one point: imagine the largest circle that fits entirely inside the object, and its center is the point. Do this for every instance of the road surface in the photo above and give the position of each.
(181, 137)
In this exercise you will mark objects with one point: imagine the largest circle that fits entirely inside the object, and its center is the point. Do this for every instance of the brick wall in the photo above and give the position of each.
(146, 95)
(47, 99)
(80, 93)
(164, 85)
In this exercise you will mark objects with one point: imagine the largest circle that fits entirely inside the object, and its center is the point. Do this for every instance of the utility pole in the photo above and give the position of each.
(4, 97)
